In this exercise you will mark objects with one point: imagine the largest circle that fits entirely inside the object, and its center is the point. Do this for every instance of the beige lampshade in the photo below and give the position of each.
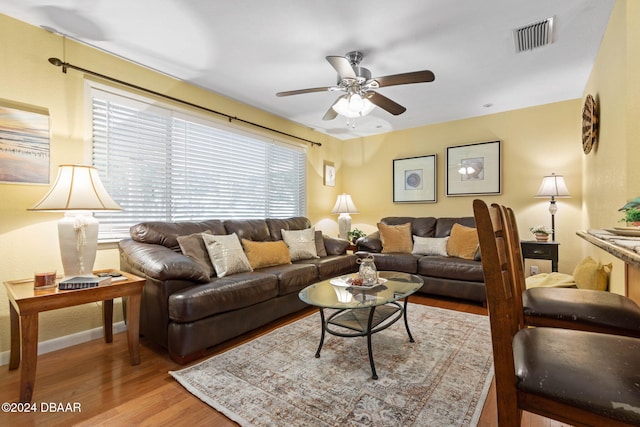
(344, 204)
(553, 186)
(77, 187)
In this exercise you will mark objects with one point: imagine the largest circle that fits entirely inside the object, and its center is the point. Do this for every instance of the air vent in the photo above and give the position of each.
(533, 35)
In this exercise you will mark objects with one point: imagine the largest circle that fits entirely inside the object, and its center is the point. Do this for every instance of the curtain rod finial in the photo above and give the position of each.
(55, 61)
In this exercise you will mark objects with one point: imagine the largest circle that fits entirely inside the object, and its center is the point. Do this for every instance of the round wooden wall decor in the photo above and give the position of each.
(589, 124)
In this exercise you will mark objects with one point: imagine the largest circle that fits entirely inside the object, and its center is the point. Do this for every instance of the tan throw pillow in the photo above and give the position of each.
(193, 247)
(463, 242)
(430, 245)
(266, 254)
(226, 254)
(589, 274)
(396, 238)
(301, 243)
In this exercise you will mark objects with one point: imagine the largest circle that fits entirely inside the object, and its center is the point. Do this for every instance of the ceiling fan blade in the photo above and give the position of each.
(385, 103)
(342, 66)
(331, 113)
(424, 76)
(309, 90)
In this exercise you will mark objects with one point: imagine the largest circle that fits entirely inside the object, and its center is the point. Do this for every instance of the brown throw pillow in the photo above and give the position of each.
(396, 238)
(266, 254)
(320, 249)
(463, 242)
(193, 247)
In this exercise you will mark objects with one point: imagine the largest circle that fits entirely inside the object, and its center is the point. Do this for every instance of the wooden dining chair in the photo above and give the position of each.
(581, 309)
(576, 377)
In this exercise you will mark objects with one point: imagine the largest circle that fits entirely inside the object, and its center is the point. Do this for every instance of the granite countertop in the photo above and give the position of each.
(627, 248)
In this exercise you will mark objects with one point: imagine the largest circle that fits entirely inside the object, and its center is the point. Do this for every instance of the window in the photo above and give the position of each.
(161, 164)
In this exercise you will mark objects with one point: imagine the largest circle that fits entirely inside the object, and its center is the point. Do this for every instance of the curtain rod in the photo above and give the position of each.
(59, 63)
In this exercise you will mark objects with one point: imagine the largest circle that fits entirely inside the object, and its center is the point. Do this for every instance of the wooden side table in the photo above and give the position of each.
(25, 303)
(533, 249)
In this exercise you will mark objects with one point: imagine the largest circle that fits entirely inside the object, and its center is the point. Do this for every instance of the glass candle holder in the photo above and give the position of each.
(44, 280)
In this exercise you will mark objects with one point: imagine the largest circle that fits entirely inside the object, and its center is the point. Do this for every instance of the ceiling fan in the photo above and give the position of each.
(360, 97)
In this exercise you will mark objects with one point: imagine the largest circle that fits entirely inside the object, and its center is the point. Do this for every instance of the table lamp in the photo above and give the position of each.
(77, 192)
(553, 186)
(344, 206)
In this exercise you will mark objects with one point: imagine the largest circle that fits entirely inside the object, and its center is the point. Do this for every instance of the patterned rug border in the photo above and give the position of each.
(232, 414)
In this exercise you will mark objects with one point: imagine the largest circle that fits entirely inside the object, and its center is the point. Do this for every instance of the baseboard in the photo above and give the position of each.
(68, 341)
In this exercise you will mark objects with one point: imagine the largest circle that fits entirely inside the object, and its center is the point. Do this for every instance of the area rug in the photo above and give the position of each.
(440, 380)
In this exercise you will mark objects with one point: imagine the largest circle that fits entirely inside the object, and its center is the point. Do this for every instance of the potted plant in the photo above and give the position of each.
(355, 234)
(541, 232)
(631, 217)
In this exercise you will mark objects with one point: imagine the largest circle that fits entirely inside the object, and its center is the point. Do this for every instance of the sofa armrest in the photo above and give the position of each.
(370, 243)
(335, 246)
(160, 262)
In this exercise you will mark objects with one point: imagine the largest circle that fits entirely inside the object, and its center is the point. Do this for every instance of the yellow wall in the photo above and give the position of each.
(536, 142)
(611, 173)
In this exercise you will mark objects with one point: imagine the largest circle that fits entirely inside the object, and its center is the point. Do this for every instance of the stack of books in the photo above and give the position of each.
(83, 282)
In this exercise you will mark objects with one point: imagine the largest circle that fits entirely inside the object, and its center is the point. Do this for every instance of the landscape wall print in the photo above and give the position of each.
(24, 146)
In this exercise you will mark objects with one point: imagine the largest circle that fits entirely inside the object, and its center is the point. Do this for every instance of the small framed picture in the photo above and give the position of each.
(24, 144)
(329, 174)
(474, 169)
(414, 180)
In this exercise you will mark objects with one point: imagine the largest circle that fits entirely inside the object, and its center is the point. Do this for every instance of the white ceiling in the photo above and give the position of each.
(248, 50)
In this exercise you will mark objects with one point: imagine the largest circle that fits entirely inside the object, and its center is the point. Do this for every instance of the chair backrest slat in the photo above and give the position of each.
(496, 235)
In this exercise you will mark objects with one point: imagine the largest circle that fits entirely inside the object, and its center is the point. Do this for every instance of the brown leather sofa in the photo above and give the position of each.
(443, 275)
(187, 312)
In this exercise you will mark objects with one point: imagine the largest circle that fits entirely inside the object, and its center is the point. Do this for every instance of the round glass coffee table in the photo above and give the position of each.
(362, 311)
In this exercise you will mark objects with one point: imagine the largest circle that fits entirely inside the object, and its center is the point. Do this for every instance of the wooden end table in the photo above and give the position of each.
(25, 303)
(533, 249)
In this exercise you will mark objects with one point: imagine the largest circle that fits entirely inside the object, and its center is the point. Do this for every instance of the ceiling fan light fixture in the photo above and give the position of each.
(353, 105)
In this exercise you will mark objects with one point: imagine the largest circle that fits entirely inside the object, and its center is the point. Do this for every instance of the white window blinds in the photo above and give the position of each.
(159, 164)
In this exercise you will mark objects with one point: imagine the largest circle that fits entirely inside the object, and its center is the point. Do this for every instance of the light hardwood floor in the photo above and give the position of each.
(110, 392)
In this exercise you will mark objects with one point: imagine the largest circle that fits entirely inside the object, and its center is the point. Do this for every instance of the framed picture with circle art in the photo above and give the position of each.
(414, 179)
(474, 169)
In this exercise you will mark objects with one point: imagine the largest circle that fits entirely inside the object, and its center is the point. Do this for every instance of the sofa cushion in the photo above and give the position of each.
(276, 226)
(444, 225)
(430, 245)
(463, 242)
(250, 229)
(222, 294)
(166, 233)
(266, 254)
(406, 263)
(226, 254)
(193, 246)
(420, 226)
(395, 238)
(301, 243)
(333, 265)
(451, 268)
(293, 277)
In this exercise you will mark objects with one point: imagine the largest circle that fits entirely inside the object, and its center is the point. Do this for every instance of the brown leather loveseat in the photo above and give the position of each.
(443, 274)
(187, 309)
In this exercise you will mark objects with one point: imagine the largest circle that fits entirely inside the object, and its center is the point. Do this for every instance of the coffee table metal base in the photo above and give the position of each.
(364, 323)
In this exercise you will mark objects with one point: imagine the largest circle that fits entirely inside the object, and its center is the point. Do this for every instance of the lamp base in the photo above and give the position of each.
(344, 225)
(78, 236)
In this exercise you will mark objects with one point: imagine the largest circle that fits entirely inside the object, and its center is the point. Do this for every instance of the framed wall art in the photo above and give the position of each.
(474, 169)
(24, 145)
(414, 179)
(329, 174)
